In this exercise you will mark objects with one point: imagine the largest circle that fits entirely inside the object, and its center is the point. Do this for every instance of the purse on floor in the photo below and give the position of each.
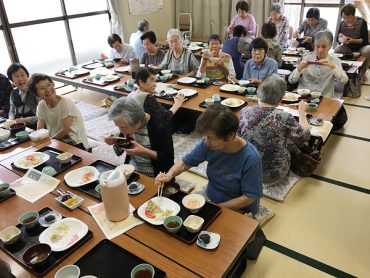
(304, 160)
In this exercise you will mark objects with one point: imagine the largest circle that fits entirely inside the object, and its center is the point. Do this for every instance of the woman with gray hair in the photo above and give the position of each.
(282, 24)
(151, 150)
(178, 59)
(318, 71)
(269, 129)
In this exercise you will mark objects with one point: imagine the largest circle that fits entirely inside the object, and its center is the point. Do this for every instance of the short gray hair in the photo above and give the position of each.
(276, 7)
(323, 36)
(128, 110)
(272, 89)
(174, 32)
(142, 24)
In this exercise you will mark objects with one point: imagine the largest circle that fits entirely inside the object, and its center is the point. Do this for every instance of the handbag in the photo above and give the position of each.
(304, 160)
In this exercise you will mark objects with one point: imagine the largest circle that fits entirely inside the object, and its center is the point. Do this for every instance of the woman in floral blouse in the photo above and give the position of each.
(282, 25)
(270, 129)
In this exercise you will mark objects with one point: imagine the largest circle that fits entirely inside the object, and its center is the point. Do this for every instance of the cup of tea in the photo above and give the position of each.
(143, 270)
(130, 82)
(97, 76)
(312, 107)
(29, 219)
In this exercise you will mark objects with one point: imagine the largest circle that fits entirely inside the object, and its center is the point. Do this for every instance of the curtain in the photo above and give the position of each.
(364, 9)
(115, 23)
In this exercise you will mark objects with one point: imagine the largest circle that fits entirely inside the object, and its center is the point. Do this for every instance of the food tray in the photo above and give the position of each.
(31, 237)
(205, 105)
(170, 98)
(10, 194)
(158, 79)
(102, 166)
(237, 93)
(98, 262)
(306, 98)
(62, 74)
(91, 80)
(125, 88)
(95, 64)
(195, 84)
(53, 162)
(209, 212)
(11, 142)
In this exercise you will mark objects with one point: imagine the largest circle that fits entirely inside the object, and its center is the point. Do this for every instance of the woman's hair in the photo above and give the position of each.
(142, 24)
(325, 36)
(13, 68)
(259, 43)
(313, 13)
(242, 5)
(35, 79)
(214, 37)
(114, 38)
(128, 110)
(219, 119)
(348, 9)
(268, 30)
(276, 7)
(150, 35)
(272, 89)
(174, 32)
(143, 74)
(239, 30)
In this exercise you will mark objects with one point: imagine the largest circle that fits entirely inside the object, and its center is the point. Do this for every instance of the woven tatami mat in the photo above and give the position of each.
(325, 222)
(346, 160)
(271, 264)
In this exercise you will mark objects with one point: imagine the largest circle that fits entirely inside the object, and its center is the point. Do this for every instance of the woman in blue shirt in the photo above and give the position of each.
(234, 166)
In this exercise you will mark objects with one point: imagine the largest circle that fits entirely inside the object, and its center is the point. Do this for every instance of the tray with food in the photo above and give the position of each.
(233, 103)
(101, 80)
(5, 191)
(170, 94)
(193, 82)
(15, 135)
(73, 73)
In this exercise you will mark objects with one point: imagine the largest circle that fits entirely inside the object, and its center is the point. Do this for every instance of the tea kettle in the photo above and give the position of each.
(114, 195)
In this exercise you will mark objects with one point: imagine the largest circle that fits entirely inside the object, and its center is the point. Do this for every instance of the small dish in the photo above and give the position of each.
(251, 90)
(64, 157)
(316, 122)
(37, 254)
(232, 102)
(17, 127)
(135, 188)
(70, 271)
(356, 54)
(22, 135)
(4, 189)
(193, 202)
(29, 219)
(10, 235)
(50, 218)
(173, 223)
(130, 82)
(209, 101)
(125, 169)
(241, 90)
(193, 223)
(303, 92)
(165, 72)
(48, 170)
(315, 100)
(70, 200)
(316, 94)
(214, 240)
(4, 134)
(244, 82)
(142, 270)
(163, 78)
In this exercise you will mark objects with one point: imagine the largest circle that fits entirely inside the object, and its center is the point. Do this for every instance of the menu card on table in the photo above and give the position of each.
(34, 185)
(109, 228)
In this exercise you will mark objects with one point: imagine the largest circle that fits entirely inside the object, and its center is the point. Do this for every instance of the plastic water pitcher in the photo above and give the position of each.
(114, 195)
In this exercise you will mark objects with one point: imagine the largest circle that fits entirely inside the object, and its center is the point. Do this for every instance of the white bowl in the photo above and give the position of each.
(64, 157)
(193, 223)
(10, 235)
(316, 94)
(356, 54)
(303, 92)
(193, 202)
(70, 271)
(4, 134)
(125, 169)
(39, 135)
(244, 82)
(165, 71)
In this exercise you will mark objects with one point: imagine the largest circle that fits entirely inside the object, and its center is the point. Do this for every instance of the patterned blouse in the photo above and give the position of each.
(282, 30)
(142, 164)
(183, 65)
(275, 52)
(269, 129)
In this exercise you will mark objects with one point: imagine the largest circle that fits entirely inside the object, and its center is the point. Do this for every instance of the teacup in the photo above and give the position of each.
(241, 90)
(97, 76)
(130, 82)
(312, 107)
(163, 78)
(251, 90)
(48, 170)
(206, 80)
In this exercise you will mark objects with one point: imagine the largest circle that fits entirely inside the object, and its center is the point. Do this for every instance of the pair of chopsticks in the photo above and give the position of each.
(123, 138)
(231, 80)
(160, 192)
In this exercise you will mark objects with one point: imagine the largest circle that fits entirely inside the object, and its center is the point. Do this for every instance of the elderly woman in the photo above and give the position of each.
(215, 64)
(282, 25)
(153, 56)
(260, 66)
(318, 71)
(178, 59)
(274, 51)
(243, 18)
(120, 50)
(269, 129)
(152, 150)
(5, 91)
(23, 103)
(57, 113)
(353, 33)
(234, 166)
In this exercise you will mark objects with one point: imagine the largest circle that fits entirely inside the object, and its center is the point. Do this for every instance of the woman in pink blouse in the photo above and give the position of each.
(243, 18)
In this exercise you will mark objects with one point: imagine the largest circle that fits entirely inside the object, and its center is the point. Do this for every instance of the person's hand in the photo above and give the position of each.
(22, 120)
(327, 62)
(305, 39)
(123, 62)
(162, 178)
(231, 26)
(206, 54)
(153, 67)
(232, 79)
(255, 81)
(179, 98)
(302, 65)
(136, 149)
(302, 106)
(348, 41)
(103, 56)
(108, 139)
(295, 34)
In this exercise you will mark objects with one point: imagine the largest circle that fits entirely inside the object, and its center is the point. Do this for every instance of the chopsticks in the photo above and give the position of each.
(160, 192)
(123, 138)
(231, 80)
(54, 152)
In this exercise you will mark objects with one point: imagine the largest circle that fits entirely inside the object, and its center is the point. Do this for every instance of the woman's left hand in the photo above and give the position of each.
(327, 62)
(136, 149)
(255, 81)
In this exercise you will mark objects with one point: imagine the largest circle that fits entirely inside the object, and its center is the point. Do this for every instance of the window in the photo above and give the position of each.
(5, 58)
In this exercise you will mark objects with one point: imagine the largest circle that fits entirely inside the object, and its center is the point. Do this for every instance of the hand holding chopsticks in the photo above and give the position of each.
(160, 190)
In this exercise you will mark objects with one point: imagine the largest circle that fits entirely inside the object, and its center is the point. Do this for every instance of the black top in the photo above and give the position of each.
(5, 89)
(358, 31)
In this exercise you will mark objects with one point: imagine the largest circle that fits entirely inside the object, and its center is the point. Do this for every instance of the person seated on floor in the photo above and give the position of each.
(144, 96)
(23, 102)
(310, 26)
(237, 46)
(135, 40)
(320, 76)
(152, 146)
(120, 50)
(5, 90)
(282, 25)
(234, 166)
(178, 59)
(353, 36)
(243, 18)
(269, 129)
(153, 56)
(274, 51)
(215, 64)
(58, 114)
(260, 66)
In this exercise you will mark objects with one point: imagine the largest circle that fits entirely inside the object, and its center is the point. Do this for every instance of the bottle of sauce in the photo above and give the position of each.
(114, 195)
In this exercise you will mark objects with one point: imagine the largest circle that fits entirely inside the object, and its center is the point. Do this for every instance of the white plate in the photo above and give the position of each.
(165, 204)
(64, 234)
(284, 72)
(75, 177)
(123, 69)
(94, 66)
(291, 97)
(109, 78)
(187, 92)
(213, 243)
(232, 102)
(230, 87)
(37, 156)
(338, 55)
(187, 80)
(290, 51)
(194, 47)
(244, 82)
(290, 59)
(171, 92)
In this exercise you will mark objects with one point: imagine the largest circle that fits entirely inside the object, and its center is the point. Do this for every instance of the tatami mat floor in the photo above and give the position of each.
(323, 225)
